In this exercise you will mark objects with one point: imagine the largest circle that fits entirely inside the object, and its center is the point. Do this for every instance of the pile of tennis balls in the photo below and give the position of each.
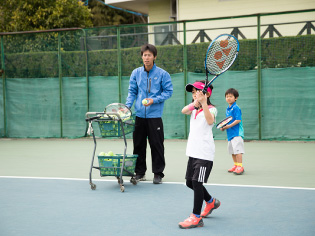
(123, 116)
(110, 153)
(109, 171)
(116, 126)
(105, 157)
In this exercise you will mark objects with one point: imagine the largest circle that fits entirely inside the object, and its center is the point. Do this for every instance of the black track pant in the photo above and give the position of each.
(151, 128)
(200, 194)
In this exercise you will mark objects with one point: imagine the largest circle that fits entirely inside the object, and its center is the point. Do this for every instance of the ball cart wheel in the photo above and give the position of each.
(122, 188)
(93, 186)
(133, 181)
(120, 181)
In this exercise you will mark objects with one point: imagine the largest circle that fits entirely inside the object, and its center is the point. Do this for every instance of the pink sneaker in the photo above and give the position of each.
(239, 170)
(210, 207)
(191, 222)
(232, 169)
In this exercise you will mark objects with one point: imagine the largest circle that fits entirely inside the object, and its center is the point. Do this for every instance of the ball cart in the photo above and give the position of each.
(117, 120)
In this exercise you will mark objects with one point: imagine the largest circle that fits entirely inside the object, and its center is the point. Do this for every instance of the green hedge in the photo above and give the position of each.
(280, 52)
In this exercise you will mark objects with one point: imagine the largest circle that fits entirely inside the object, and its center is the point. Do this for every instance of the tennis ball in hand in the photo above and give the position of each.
(144, 101)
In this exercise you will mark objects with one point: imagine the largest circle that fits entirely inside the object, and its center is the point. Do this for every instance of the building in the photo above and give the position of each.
(244, 27)
(168, 10)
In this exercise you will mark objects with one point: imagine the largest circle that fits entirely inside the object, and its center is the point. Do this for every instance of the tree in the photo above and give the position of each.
(27, 15)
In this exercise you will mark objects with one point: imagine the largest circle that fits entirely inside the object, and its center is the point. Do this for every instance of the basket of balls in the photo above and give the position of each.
(110, 164)
(112, 127)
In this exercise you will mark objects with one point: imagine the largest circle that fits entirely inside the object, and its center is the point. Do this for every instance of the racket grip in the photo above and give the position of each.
(191, 107)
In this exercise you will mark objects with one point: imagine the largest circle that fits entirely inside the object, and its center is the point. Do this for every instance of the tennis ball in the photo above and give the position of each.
(102, 154)
(110, 153)
(144, 101)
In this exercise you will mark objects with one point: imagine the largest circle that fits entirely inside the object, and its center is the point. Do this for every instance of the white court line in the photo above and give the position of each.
(149, 182)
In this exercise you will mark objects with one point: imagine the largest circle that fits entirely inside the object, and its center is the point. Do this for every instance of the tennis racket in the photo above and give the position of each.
(224, 122)
(118, 108)
(220, 55)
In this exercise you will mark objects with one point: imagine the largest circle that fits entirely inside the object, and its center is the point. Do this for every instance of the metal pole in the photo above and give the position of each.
(119, 64)
(3, 87)
(87, 70)
(185, 75)
(86, 52)
(60, 82)
(259, 74)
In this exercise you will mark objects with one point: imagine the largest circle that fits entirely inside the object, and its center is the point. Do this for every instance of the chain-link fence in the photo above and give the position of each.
(51, 79)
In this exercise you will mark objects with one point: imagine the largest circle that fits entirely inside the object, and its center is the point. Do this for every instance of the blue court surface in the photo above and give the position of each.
(52, 206)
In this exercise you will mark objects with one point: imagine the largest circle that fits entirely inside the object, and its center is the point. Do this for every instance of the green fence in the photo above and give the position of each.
(50, 79)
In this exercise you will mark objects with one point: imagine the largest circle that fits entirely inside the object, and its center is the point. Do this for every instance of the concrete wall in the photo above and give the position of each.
(199, 9)
(159, 11)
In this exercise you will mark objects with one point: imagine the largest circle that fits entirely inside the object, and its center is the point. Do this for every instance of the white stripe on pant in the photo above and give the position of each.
(202, 173)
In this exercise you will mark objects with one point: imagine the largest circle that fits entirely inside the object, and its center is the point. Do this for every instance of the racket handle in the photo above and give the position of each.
(204, 91)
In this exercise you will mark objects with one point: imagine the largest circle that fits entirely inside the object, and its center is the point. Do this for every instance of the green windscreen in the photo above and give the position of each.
(33, 108)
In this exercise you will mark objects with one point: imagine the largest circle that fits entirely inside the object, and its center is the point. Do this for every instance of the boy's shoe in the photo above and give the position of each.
(191, 222)
(210, 207)
(157, 179)
(232, 169)
(140, 178)
(239, 170)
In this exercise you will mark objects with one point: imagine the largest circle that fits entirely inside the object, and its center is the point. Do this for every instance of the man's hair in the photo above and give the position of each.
(232, 91)
(149, 47)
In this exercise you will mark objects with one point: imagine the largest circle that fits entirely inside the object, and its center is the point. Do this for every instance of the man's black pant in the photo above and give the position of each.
(151, 128)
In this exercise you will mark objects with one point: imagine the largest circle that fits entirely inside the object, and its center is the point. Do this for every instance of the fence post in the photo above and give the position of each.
(185, 76)
(119, 64)
(259, 75)
(87, 70)
(60, 82)
(3, 87)
(86, 52)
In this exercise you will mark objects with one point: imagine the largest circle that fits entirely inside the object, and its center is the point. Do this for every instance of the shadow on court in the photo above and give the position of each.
(50, 207)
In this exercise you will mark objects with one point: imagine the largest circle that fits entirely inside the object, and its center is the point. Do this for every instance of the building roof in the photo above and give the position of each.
(141, 6)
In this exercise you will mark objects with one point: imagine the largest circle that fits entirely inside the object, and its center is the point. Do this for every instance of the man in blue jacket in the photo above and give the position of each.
(149, 87)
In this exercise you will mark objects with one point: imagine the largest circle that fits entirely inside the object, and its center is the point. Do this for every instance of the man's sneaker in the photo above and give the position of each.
(210, 207)
(232, 169)
(157, 179)
(239, 170)
(191, 222)
(140, 178)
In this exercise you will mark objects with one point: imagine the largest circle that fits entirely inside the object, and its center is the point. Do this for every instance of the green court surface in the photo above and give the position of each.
(45, 191)
(289, 164)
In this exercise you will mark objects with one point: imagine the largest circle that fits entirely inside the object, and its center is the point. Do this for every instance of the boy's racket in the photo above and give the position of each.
(220, 55)
(224, 122)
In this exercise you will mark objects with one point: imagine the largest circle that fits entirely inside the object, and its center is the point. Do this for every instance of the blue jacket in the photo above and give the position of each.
(155, 84)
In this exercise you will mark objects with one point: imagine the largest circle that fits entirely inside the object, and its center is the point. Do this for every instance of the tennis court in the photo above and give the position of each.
(51, 79)
(45, 191)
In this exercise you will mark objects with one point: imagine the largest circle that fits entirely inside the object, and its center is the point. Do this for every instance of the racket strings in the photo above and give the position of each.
(118, 108)
(224, 122)
(221, 55)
